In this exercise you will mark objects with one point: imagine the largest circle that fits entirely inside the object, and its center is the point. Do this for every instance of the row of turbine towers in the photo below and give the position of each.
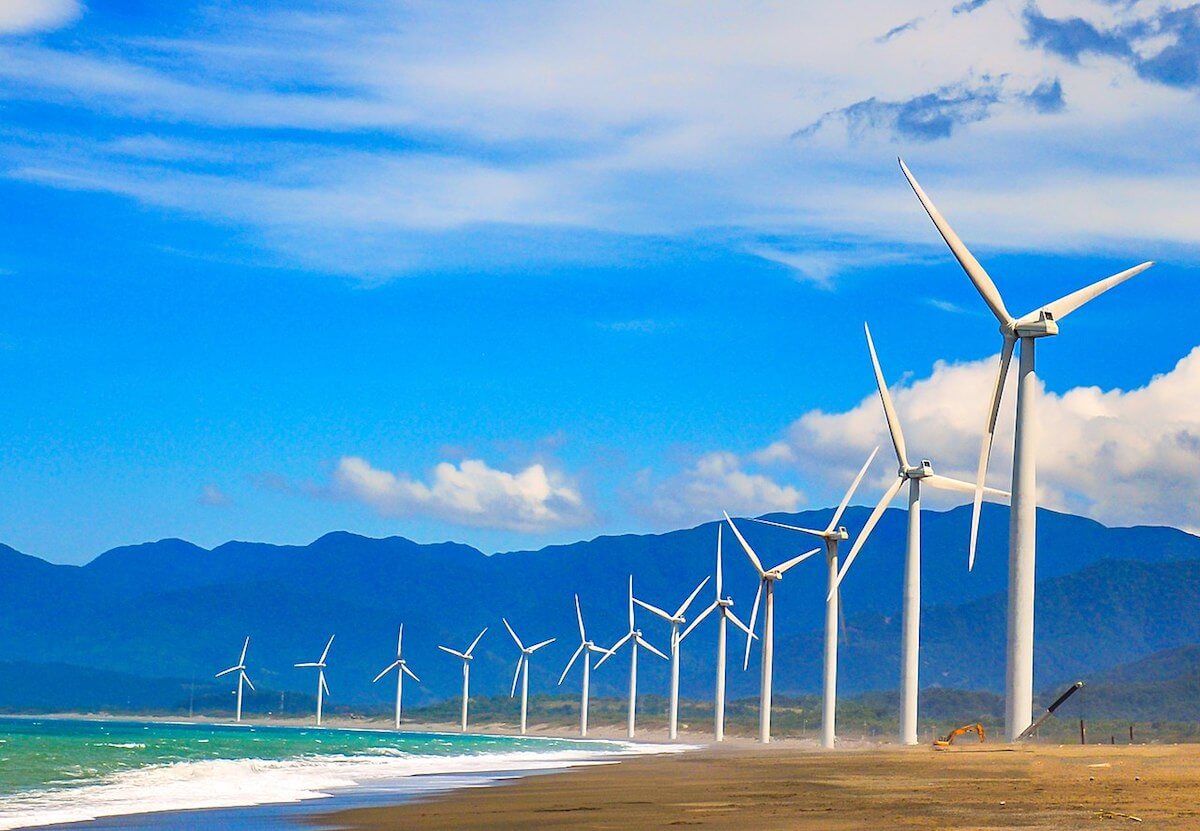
(1025, 330)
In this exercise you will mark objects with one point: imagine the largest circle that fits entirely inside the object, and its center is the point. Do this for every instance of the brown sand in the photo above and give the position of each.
(791, 787)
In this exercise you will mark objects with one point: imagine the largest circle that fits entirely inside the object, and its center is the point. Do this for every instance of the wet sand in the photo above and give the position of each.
(791, 786)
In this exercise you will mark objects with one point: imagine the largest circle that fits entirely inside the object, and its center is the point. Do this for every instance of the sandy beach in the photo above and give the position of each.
(791, 786)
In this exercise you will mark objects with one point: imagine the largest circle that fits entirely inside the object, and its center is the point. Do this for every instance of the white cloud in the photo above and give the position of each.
(19, 16)
(213, 497)
(470, 493)
(716, 482)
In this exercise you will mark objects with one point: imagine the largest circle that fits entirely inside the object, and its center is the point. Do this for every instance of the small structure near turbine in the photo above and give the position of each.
(401, 667)
(586, 648)
(523, 670)
(677, 621)
(466, 659)
(243, 678)
(322, 687)
(634, 638)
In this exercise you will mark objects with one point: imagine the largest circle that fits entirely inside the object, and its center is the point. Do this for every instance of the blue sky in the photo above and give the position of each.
(521, 273)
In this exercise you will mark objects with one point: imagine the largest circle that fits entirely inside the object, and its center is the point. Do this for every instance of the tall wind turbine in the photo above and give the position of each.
(243, 678)
(466, 662)
(1022, 555)
(724, 608)
(832, 535)
(586, 648)
(401, 667)
(915, 476)
(634, 638)
(523, 670)
(322, 687)
(767, 578)
(677, 621)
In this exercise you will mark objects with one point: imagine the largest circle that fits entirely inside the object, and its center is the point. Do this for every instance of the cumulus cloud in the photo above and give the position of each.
(20, 16)
(716, 481)
(470, 493)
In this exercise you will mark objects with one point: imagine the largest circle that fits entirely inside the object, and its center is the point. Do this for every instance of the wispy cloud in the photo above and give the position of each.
(20, 16)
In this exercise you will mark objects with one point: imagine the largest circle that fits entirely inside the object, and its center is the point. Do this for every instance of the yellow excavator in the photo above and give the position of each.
(953, 734)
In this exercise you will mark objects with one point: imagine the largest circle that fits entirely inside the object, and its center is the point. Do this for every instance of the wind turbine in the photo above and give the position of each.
(676, 620)
(322, 687)
(586, 648)
(915, 476)
(634, 638)
(523, 670)
(466, 659)
(240, 669)
(724, 607)
(401, 667)
(1022, 553)
(832, 535)
(766, 581)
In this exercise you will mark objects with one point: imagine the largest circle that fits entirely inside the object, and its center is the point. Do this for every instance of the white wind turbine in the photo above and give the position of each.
(1040, 323)
(586, 648)
(401, 667)
(767, 578)
(915, 476)
(724, 607)
(523, 670)
(634, 638)
(677, 621)
(243, 678)
(322, 687)
(466, 662)
(832, 535)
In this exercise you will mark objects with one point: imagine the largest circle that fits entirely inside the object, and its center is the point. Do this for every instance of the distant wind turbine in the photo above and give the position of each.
(1022, 555)
(466, 662)
(915, 476)
(832, 535)
(586, 648)
(243, 678)
(322, 687)
(677, 621)
(634, 638)
(724, 608)
(401, 667)
(767, 578)
(523, 670)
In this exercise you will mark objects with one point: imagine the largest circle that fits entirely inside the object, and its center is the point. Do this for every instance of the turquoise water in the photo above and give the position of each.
(56, 771)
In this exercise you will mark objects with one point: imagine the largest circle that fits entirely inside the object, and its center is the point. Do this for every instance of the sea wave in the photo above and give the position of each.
(231, 783)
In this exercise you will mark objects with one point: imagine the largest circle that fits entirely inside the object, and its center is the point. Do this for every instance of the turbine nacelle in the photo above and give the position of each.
(921, 471)
(725, 602)
(1039, 324)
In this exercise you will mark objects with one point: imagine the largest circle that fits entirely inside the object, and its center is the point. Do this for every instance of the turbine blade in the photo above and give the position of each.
(645, 644)
(837, 515)
(538, 646)
(520, 645)
(750, 628)
(691, 597)
(1065, 305)
(959, 486)
(708, 610)
(571, 663)
(720, 578)
(650, 608)
(475, 642)
(782, 567)
(612, 650)
(736, 621)
(889, 409)
(867, 528)
(400, 642)
(227, 671)
(983, 283)
(520, 662)
(579, 617)
(985, 449)
(385, 671)
(246, 678)
(631, 624)
(326, 652)
(410, 673)
(245, 646)
(453, 652)
(812, 531)
(307, 664)
(746, 546)
(324, 683)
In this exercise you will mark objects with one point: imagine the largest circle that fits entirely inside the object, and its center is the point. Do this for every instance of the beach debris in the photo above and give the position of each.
(1104, 814)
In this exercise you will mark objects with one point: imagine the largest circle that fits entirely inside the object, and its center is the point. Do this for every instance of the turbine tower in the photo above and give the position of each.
(322, 687)
(401, 667)
(916, 476)
(767, 578)
(832, 535)
(523, 670)
(1022, 554)
(243, 678)
(724, 608)
(586, 648)
(466, 662)
(634, 638)
(677, 621)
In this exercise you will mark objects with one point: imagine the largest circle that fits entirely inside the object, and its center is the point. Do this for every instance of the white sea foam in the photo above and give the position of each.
(231, 783)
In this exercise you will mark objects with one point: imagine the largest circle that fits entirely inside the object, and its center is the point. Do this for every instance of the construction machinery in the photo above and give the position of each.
(953, 734)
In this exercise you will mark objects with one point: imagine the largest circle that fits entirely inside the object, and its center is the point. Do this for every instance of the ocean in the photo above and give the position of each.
(56, 771)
